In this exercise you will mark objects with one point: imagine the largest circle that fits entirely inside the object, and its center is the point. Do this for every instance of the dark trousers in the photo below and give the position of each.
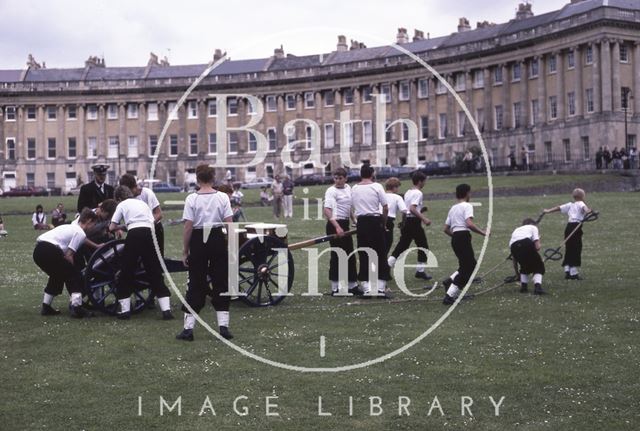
(573, 247)
(139, 245)
(412, 231)
(526, 255)
(371, 234)
(208, 258)
(388, 235)
(462, 247)
(61, 272)
(160, 236)
(345, 243)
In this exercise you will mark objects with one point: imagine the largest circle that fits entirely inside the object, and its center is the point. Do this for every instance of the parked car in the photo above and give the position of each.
(393, 171)
(435, 168)
(257, 183)
(165, 188)
(26, 191)
(312, 180)
(353, 175)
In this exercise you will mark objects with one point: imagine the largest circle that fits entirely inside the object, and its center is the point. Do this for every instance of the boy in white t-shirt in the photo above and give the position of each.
(458, 226)
(412, 230)
(525, 245)
(576, 212)
(54, 254)
(149, 197)
(397, 209)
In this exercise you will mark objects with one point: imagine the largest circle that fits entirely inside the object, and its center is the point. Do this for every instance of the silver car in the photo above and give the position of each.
(258, 183)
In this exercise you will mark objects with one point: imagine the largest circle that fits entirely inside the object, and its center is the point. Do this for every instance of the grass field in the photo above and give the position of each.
(565, 361)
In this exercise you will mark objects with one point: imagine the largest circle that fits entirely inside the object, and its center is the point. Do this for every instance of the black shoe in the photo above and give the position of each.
(524, 288)
(48, 310)
(423, 275)
(124, 316)
(77, 312)
(447, 282)
(186, 335)
(539, 291)
(355, 291)
(567, 275)
(167, 315)
(448, 300)
(575, 277)
(224, 331)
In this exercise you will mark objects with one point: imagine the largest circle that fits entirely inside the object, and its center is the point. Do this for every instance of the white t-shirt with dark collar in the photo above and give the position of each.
(396, 205)
(458, 215)
(413, 197)
(207, 209)
(65, 237)
(339, 201)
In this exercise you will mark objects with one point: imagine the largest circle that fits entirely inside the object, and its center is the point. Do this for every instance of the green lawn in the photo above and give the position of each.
(567, 361)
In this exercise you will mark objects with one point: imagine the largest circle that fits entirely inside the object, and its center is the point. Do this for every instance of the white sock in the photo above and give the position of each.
(76, 299)
(566, 268)
(335, 286)
(453, 276)
(391, 261)
(573, 270)
(382, 285)
(353, 284)
(537, 278)
(453, 291)
(47, 299)
(366, 286)
(189, 321)
(125, 305)
(164, 303)
(420, 267)
(524, 278)
(223, 318)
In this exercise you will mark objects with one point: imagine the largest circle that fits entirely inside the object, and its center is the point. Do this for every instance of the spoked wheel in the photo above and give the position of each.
(260, 270)
(102, 274)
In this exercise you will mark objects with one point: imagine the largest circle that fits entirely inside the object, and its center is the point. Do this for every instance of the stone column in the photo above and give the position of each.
(413, 102)
(102, 132)
(41, 140)
(143, 146)
(122, 135)
(606, 76)
(469, 100)
(597, 89)
(542, 90)
(636, 79)
(615, 76)
(579, 90)
(488, 105)
(561, 90)
(61, 136)
(451, 110)
(21, 140)
(524, 94)
(82, 138)
(433, 111)
(506, 97)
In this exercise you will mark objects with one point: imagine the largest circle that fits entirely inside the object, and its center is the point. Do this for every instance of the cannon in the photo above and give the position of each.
(259, 269)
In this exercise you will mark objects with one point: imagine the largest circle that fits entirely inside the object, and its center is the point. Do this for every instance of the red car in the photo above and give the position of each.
(26, 191)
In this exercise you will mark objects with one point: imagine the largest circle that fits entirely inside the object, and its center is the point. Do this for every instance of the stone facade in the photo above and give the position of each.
(554, 84)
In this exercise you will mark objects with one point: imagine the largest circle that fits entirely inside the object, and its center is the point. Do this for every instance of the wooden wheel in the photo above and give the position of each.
(260, 269)
(101, 277)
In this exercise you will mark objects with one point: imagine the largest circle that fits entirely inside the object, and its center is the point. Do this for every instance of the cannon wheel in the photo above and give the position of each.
(259, 270)
(101, 275)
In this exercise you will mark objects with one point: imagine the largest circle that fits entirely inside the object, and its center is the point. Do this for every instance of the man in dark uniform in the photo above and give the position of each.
(93, 193)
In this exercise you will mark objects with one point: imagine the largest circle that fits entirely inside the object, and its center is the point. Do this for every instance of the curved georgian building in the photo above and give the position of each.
(555, 84)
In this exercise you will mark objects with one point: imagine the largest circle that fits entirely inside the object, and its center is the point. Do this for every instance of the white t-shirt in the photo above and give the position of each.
(575, 211)
(135, 213)
(149, 197)
(35, 220)
(207, 209)
(396, 205)
(339, 200)
(368, 198)
(413, 197)
(237, 195)
(65, 237)
(527, 231)
(458, 215)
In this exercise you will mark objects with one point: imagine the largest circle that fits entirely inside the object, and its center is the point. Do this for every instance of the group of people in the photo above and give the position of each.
(39, 218)
(616, 159)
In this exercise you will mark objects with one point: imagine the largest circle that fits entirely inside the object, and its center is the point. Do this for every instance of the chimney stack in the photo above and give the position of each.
(524, 11)
(94, 61)
(402, 36)
(217, 54)
(153, 60)
(278, 52)
(342, 44)
(463, 25)
(32, 63)
(418, 35)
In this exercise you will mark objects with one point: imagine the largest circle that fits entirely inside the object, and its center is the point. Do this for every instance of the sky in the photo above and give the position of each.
(64, 33)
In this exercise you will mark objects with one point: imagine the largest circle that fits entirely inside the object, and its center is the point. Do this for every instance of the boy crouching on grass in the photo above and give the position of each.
(54, 254)
(139, 243)
(576, 212)
(524, 245)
